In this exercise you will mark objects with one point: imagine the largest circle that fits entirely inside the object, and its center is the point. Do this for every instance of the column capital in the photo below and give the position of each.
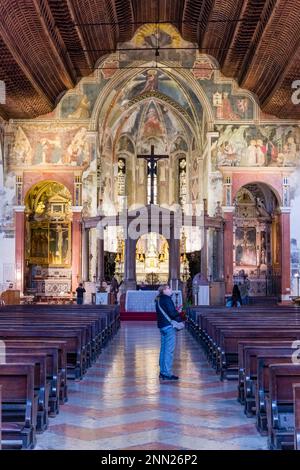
(19, 208)
(76, 209)
(228, 209)
(285, 210)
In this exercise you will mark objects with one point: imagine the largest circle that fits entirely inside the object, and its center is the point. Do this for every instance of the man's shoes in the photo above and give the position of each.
(168, 377)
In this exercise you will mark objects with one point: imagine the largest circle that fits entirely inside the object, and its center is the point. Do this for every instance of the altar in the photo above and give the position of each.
(144, 300)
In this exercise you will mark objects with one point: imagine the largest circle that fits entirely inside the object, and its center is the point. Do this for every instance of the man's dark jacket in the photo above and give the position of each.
(168, 306)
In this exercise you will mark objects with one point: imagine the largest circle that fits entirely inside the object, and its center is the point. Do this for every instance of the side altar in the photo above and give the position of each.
(144, 300)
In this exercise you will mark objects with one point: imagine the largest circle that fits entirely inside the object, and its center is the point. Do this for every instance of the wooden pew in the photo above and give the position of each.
(73, 337)
(242, 345)
(228, 355)
(263, 382)
(19, 406)
(280, 417)
(41, 386)
(0, 417)
(296, 399)
(251, 354)
(52, 366)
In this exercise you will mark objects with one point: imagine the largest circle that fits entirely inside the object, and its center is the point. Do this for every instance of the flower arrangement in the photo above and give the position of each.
(182, 309)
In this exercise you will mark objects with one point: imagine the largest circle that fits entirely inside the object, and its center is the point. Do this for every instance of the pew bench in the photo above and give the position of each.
(296, 400)
(19, 406)
(280, 405)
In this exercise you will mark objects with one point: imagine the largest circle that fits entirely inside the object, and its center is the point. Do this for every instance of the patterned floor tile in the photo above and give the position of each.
(121, 404)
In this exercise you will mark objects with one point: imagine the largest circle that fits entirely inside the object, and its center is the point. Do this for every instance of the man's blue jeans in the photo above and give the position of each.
(168, 341)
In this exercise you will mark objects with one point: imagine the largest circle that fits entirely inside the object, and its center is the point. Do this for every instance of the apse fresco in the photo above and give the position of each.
(252, 146)
(49, 146)
(165, 36)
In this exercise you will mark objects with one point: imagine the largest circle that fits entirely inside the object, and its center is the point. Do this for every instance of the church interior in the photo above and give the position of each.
(148, 144)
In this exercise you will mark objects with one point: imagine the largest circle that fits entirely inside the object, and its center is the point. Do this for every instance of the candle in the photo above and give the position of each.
(176, 284)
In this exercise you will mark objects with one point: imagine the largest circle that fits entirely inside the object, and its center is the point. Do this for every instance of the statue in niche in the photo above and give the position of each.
(263, 249)
(261, 208)
(82, 111)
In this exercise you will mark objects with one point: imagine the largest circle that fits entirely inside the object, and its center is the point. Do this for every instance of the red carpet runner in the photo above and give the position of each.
(137, 316)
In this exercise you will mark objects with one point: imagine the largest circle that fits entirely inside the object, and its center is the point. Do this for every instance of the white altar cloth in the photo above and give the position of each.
(144, 300)
(101, 298)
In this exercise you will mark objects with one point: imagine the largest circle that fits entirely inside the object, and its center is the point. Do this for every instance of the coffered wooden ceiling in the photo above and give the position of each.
(46, 46)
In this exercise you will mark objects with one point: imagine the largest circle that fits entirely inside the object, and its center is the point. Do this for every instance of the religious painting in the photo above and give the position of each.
(155, 80)
(39, 243)
(81, 104)
(226, 105)
(253, 146)
(59, 252)
(162, 37)
(152, 125)
(50, 244)
(45, 145)
(69, 104)
(245, 243)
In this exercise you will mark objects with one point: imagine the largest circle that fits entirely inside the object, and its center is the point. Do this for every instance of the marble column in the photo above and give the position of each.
(130, 263)
(19, 247)
(220, 254)
(285, 254)
(228, 248)
(100, 257)
(85, 254)
(174, 259)
(204, 254)
(76, 246)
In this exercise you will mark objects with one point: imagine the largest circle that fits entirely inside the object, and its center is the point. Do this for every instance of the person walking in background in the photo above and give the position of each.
(164, 303)
(79, 292)
(236, 296)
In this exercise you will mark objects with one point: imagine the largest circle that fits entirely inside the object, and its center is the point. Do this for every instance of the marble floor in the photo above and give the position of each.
(120, 403)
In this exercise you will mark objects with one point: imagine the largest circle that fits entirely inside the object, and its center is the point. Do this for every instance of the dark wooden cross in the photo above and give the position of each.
(152, 160)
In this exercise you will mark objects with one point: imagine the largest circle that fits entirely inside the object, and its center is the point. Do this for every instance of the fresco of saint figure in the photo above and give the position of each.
(152, 126)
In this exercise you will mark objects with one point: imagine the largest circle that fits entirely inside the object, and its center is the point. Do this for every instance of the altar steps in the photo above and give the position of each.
(137, 316)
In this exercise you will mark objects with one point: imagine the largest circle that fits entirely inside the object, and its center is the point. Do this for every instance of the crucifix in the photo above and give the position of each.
(152, 160)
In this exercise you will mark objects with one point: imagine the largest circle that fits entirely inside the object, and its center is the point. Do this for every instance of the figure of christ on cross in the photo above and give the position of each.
(152, 160)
